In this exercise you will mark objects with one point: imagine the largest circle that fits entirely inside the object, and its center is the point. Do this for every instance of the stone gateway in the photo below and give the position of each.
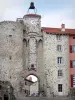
(28, 49)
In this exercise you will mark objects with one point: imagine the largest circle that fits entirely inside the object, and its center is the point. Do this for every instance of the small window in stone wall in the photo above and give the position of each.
(59, 48)
(58, 37)
(32, 67)
(25, 42)
(59, 73)
(10, 35)
(59, 60)
(59, 87)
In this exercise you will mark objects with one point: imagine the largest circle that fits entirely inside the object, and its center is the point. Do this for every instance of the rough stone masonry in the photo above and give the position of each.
(25, 49)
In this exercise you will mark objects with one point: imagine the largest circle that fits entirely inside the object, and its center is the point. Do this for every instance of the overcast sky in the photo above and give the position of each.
(53, 12)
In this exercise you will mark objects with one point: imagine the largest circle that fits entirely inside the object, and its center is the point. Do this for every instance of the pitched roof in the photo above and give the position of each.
(58, 30)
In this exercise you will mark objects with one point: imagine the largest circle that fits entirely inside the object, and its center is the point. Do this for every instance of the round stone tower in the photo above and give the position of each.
(32, 24)
(33, 40)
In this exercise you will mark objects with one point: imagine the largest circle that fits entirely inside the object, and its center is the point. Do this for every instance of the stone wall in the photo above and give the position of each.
(6, 90)
(11, 46)
(32, 24)
(24, 45)
(51, 66)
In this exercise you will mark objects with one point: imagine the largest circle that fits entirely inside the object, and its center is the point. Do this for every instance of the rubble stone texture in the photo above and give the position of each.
(23, 45)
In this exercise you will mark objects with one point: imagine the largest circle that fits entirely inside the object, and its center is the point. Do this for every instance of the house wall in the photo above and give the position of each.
(72, 57)
(34, 88)
(51, 66)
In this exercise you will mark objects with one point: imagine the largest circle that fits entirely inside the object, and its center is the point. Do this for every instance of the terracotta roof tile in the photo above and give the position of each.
(58, 30)
(34, 15)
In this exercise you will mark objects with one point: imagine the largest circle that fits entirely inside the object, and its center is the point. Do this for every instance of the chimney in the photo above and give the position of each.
(63, 27)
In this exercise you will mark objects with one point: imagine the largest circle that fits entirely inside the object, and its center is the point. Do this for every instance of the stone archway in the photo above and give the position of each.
(23, 83)
(6, 91)
(31, 85)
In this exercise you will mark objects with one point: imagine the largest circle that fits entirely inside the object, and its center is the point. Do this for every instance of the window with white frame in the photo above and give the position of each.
(59, 60)
(58, 47)
(73, 64)
(73, 48)
(59, 73)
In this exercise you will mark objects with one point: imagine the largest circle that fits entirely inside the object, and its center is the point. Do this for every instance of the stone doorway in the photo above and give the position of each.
(6, 97)
(6, 91)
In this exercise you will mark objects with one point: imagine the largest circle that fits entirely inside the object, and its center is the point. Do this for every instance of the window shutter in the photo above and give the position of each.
(71, 80)
(70, 64)
(70, 49)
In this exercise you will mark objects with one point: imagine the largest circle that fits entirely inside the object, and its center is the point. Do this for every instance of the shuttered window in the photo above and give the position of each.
(74, 80)
(71, 80)
(70, 64)
(70, 49)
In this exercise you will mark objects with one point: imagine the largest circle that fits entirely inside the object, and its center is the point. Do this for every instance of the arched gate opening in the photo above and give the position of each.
(31, 85)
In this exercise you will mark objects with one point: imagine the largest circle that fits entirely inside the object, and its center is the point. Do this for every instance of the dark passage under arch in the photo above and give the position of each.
(6, 97)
